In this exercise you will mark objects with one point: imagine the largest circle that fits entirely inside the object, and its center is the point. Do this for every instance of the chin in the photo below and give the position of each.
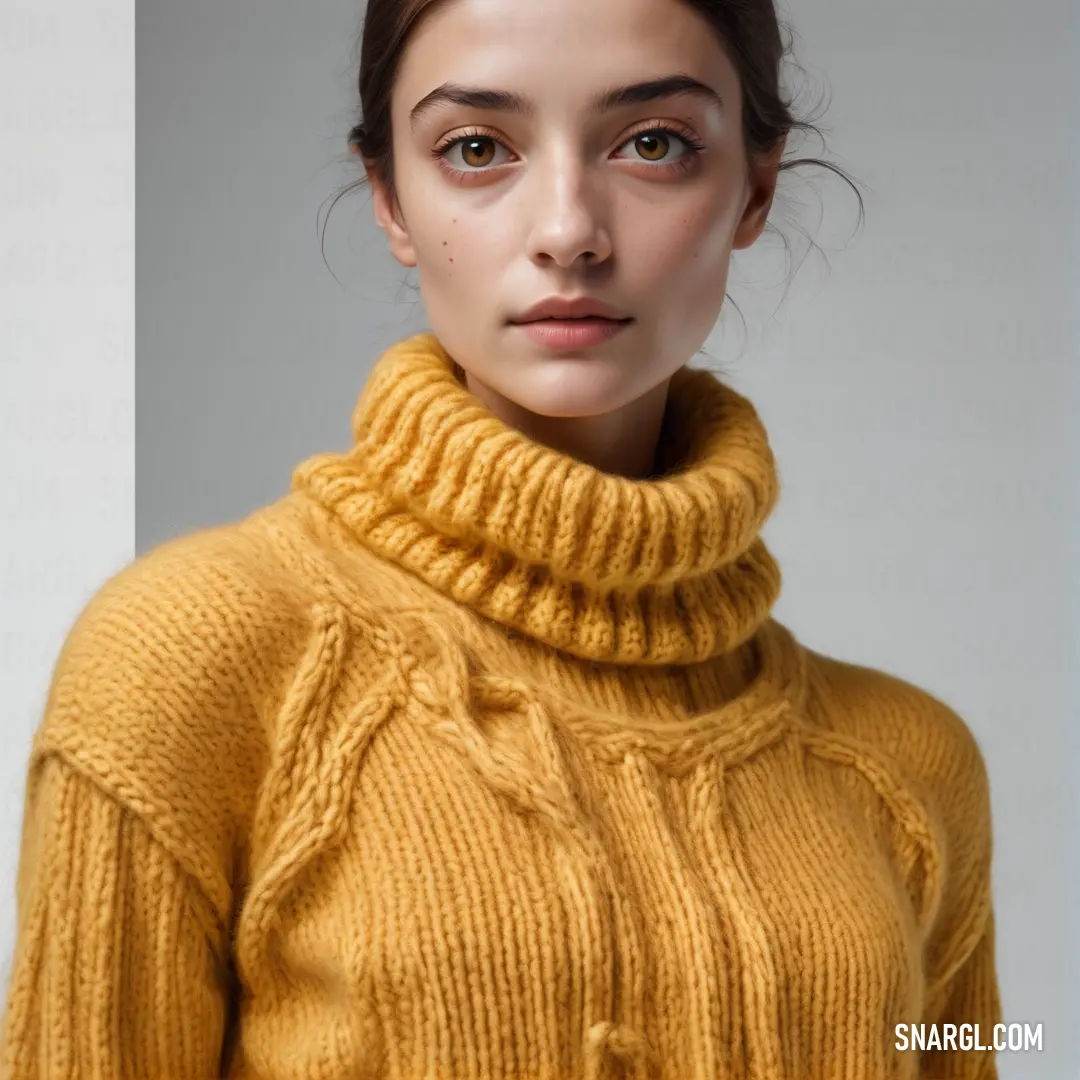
(575, 385)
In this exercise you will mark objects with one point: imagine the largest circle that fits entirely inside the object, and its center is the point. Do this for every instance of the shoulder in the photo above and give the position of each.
(919, 730)
(929, 760)
(196, 620)
(166, 683)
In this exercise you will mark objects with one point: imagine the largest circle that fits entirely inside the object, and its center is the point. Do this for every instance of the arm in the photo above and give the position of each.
(118, 969)
(934, 747)
(962, 986)
(970, 997)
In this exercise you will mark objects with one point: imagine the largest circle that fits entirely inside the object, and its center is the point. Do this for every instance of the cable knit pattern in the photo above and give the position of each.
(464, 760)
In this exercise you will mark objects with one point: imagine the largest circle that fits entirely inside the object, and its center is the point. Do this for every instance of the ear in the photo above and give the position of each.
(388, 215)
(764, 173)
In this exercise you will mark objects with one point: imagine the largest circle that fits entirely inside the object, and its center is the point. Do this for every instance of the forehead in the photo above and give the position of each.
(560, 51)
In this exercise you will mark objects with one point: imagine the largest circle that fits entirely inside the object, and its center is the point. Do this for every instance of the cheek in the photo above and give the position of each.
(459, 250)
(686, 245)
(680, 261)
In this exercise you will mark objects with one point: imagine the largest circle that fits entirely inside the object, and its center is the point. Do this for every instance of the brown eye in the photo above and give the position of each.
(655, 146)
(652, 145)
(477, 151)
(473, 153)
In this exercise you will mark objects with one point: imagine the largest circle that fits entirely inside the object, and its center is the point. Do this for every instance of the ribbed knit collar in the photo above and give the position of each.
(669, 569)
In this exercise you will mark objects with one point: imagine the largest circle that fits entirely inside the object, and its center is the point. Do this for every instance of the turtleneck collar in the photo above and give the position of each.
(669, 569)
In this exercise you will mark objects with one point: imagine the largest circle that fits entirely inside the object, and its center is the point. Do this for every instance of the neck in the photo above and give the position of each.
(621, 442)
(666, 570)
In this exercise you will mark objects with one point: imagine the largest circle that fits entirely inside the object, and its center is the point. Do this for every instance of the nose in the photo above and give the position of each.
(566, 206)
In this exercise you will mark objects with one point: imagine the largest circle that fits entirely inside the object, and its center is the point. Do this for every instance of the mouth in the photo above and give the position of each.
(570, 309)
(571, 320)
(572, 334)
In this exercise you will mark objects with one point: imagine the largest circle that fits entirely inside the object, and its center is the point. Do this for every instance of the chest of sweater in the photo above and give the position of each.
(479, 887)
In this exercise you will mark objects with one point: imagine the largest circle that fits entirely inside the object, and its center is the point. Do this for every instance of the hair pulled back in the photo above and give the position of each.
(749, 30)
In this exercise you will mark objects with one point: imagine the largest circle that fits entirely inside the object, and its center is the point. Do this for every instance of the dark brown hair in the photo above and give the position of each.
(749, 30)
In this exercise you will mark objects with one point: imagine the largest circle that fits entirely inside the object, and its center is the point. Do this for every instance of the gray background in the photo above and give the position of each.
(921, 389)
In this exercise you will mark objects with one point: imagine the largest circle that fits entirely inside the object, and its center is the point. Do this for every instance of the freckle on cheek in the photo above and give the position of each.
(451, 258)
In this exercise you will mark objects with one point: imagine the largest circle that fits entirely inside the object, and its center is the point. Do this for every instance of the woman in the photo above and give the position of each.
(479, 753)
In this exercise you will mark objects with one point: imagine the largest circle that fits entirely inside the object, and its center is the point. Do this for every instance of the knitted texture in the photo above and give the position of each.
(464, 760)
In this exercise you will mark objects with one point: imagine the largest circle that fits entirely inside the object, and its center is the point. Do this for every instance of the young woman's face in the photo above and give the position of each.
(636, 203)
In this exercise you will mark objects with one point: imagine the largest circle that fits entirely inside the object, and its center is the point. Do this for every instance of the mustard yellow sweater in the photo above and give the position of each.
(464, 759)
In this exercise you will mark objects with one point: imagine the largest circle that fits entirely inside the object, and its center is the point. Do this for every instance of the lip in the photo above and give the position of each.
(564, 307)
(566, 334)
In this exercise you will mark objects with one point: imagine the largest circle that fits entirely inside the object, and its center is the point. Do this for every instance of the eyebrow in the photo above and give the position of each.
(475, 97)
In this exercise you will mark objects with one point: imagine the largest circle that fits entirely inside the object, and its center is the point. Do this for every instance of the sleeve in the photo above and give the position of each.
(963, 986)
(117, 971)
